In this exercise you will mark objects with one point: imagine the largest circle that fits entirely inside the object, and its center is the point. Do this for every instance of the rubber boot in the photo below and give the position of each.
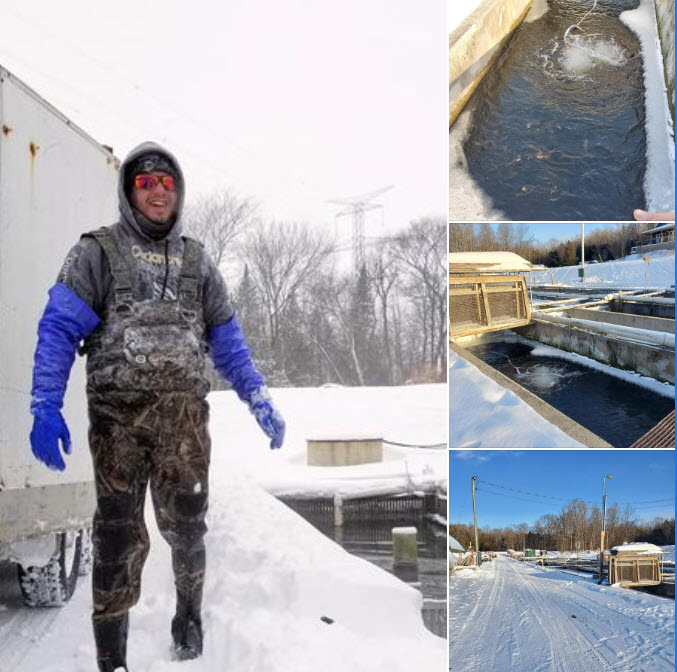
(111, 644)
(187, 627)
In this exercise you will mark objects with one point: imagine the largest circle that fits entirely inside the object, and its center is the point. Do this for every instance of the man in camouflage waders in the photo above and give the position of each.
(148, 303)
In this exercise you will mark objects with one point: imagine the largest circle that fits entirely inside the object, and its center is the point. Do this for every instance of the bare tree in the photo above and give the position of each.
(422, 257)
(217, 220)
(383, 273)
(281, 258)
(486, 238)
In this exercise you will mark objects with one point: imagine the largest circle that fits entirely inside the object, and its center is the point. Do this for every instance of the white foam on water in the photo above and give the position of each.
(544, 378)
(581, 54)
(541, 377)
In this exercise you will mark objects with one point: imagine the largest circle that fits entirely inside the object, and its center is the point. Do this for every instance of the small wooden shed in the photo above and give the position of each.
(635, 564)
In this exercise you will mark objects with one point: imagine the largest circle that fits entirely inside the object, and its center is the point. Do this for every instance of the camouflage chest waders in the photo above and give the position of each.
(148, 425)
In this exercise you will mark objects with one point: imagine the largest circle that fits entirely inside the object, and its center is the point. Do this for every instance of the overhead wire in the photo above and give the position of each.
(136, 124)
(562, 499)
(165, 103)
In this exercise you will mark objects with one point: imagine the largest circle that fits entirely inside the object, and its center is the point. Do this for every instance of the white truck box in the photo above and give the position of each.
(56, 182)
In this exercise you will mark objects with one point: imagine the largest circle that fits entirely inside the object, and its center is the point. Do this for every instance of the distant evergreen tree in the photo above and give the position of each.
(297, 351)
(362, 324)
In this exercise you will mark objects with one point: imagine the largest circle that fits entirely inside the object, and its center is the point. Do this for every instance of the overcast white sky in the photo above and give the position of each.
(292, 102)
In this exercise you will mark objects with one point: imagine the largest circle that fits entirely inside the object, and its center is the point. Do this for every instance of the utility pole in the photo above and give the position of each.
(474, 511)
(601, 548)
(583, 251)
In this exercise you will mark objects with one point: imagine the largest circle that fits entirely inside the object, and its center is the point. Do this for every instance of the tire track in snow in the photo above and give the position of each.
(523, 623)
(570, 649)
(617, 625)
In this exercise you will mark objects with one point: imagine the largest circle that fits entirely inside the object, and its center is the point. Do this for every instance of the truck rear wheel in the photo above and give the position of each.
(54, 584)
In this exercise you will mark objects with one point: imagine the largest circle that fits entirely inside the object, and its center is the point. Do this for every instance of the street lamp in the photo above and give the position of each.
(601, 548)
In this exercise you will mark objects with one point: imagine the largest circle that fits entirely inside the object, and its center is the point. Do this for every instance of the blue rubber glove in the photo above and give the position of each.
(268, 417)
(48, 428)
(233, 361)
(66, 321)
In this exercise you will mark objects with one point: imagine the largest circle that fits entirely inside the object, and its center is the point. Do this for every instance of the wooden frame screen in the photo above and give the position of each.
(480, 303)
(634, 570)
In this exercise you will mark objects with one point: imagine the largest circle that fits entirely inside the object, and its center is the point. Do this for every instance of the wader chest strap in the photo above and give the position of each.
(189, 286)
(122, 281)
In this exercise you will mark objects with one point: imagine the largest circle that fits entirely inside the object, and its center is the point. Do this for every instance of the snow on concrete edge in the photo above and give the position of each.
(659, 181)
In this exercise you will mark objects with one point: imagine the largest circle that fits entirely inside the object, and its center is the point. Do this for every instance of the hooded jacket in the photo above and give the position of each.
(154, 262)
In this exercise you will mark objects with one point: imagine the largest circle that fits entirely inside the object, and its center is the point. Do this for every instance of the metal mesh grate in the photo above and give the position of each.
(466, 311)
(624, 573)
(645, 572)
(486, 303)
(635, 570)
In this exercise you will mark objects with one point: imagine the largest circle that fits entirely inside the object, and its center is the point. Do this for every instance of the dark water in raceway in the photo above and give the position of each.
(617, 411)
(373, 542)
(558, 129)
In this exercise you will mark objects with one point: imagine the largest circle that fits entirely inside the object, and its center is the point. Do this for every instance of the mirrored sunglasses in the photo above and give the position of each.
(148, 181)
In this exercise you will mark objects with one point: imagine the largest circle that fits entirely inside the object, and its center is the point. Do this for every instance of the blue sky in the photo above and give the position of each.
(642, 476)
(543, 232)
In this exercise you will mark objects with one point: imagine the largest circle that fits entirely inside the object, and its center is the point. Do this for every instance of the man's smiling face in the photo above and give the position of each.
(153, 199)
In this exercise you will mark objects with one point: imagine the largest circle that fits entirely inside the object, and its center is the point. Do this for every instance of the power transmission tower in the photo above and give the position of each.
(357, 206)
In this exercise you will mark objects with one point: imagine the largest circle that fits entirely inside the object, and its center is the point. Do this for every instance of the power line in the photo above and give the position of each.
(165, 103)
(502, 494)
(525, 492)
(649, 501)
(562, 499)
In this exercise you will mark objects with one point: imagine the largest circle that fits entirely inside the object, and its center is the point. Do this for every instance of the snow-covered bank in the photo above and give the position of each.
(467, 200)
(660, 272)
(513, 616)
(482, 414)
(410, 414)
(271, 576)
(659, 181)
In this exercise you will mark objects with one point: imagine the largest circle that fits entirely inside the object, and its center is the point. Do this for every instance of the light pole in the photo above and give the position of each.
(601, 548)
(474, 510)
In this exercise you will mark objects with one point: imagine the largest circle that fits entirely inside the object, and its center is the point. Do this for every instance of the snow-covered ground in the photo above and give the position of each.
(482, 414)
(271, 576)
(410, 414)
(509, 615)
(627, 272)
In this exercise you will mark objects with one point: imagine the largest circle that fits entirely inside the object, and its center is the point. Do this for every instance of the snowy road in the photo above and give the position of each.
(512, 616)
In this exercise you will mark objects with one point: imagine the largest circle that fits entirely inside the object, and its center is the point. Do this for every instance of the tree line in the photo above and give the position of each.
(310, 320)
(612, 242)
(578, 523)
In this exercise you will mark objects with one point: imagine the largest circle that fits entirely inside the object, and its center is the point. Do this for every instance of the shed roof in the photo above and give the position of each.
(638, 549)
(454, 545)
(487, 262)
(661, 227)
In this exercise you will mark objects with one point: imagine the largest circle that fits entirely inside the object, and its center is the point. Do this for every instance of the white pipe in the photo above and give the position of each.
(628, 333)
(647, 299)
